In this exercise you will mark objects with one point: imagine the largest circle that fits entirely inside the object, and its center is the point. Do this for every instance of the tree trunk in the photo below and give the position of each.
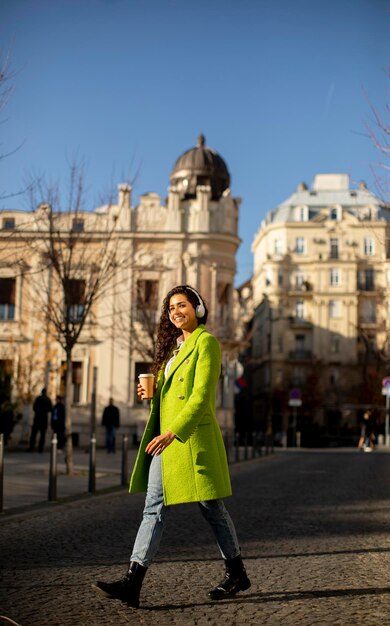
(68, 413)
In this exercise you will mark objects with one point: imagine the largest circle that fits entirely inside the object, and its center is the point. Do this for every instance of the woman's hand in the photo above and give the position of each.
(141, 391)
(158, 444)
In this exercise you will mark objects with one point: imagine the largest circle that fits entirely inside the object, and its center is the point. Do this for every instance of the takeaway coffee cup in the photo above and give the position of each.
(147, 383)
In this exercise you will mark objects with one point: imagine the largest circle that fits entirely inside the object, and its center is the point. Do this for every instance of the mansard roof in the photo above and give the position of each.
(330, 191)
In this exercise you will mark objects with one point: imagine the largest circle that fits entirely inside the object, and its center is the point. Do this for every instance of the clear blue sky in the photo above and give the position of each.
(278, 87)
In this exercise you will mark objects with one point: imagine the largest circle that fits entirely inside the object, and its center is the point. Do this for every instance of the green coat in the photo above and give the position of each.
(194, 465)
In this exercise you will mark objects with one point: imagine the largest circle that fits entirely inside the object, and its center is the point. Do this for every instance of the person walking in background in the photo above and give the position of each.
(58, 422)
(367, 433)
(111, 421)
(42, 407)
(182, 456)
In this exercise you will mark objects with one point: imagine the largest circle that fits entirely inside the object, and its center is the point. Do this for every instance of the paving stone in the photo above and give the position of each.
(313, 527)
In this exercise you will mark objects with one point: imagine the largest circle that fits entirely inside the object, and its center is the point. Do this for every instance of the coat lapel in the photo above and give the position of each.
(189, 345)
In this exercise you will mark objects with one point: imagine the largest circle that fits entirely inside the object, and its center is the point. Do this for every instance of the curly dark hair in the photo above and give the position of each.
(167, 332)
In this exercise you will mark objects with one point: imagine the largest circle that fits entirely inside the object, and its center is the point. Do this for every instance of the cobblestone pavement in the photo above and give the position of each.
(314, 531)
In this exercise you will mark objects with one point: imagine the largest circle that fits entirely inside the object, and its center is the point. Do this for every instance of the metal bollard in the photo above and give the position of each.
(125, 473)
(92, 465)
(52, 493)
(1, 470)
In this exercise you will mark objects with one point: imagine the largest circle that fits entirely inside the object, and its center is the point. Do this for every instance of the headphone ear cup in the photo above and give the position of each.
(200, 310)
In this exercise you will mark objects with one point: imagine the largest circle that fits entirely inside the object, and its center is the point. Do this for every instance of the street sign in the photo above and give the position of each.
(386, 382)
(386, 391)
(295, 394)
(295, 402)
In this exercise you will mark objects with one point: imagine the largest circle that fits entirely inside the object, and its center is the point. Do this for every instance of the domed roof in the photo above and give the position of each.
(200, 166)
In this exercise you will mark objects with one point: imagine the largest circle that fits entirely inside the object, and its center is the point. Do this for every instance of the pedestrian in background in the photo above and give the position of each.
(42, 407)
(111, 421)
(182, 456)
(58, 422)
(367, 433)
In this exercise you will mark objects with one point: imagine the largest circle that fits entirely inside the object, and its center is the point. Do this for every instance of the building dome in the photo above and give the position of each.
(200, 166)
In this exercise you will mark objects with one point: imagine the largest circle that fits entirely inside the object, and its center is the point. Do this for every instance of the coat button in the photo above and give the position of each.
(187, 361)
(180, 397)
(181, 378)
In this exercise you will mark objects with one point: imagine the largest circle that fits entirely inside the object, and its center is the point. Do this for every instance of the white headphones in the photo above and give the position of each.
(200, 309)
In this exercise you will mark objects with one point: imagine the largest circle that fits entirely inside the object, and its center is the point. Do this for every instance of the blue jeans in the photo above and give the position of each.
(150, 531)
(110, 438)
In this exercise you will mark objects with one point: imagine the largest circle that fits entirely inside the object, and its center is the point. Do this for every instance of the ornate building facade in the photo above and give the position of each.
(191, 238)
(321, 293)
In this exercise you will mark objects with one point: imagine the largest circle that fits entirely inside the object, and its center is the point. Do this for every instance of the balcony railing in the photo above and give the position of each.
(300, 321)
(304, 287)
(366, 285)
(300, 355)
(368, 320)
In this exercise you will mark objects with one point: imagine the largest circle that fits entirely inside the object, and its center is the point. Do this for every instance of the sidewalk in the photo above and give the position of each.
(26, 476)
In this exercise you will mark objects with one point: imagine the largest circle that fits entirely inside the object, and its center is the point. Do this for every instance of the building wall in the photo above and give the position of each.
(181, 242)
(321, 289)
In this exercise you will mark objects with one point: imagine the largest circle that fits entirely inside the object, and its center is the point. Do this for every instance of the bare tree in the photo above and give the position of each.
(6, 90)
(378, 129)
(77, 263)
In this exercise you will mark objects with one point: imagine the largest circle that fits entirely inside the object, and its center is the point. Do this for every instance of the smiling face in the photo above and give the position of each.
(182, 313)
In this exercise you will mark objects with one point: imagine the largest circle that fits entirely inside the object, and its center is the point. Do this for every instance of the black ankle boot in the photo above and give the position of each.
(235, 580)
(128, 588)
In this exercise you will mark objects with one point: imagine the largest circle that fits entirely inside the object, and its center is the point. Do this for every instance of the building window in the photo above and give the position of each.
(334, 248)
(280, 277)
(334, 376)
(8, 223)
(388, 276)
(299, 279)
(369, 246)
(302, 214)
(279, 377)
(147, 294)
(335, 344)
(335, 277)
(300, 309)
(278, 248)
(300, 350)
(78, 226)
(7, 298)
(335, 308)
(335, 213)
(298, 377)
(300, 245)
(368, 315)
(77, 379)
(366, 280)
(75, 299)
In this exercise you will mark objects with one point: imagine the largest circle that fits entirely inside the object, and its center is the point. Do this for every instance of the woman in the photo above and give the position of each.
(182, 456)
